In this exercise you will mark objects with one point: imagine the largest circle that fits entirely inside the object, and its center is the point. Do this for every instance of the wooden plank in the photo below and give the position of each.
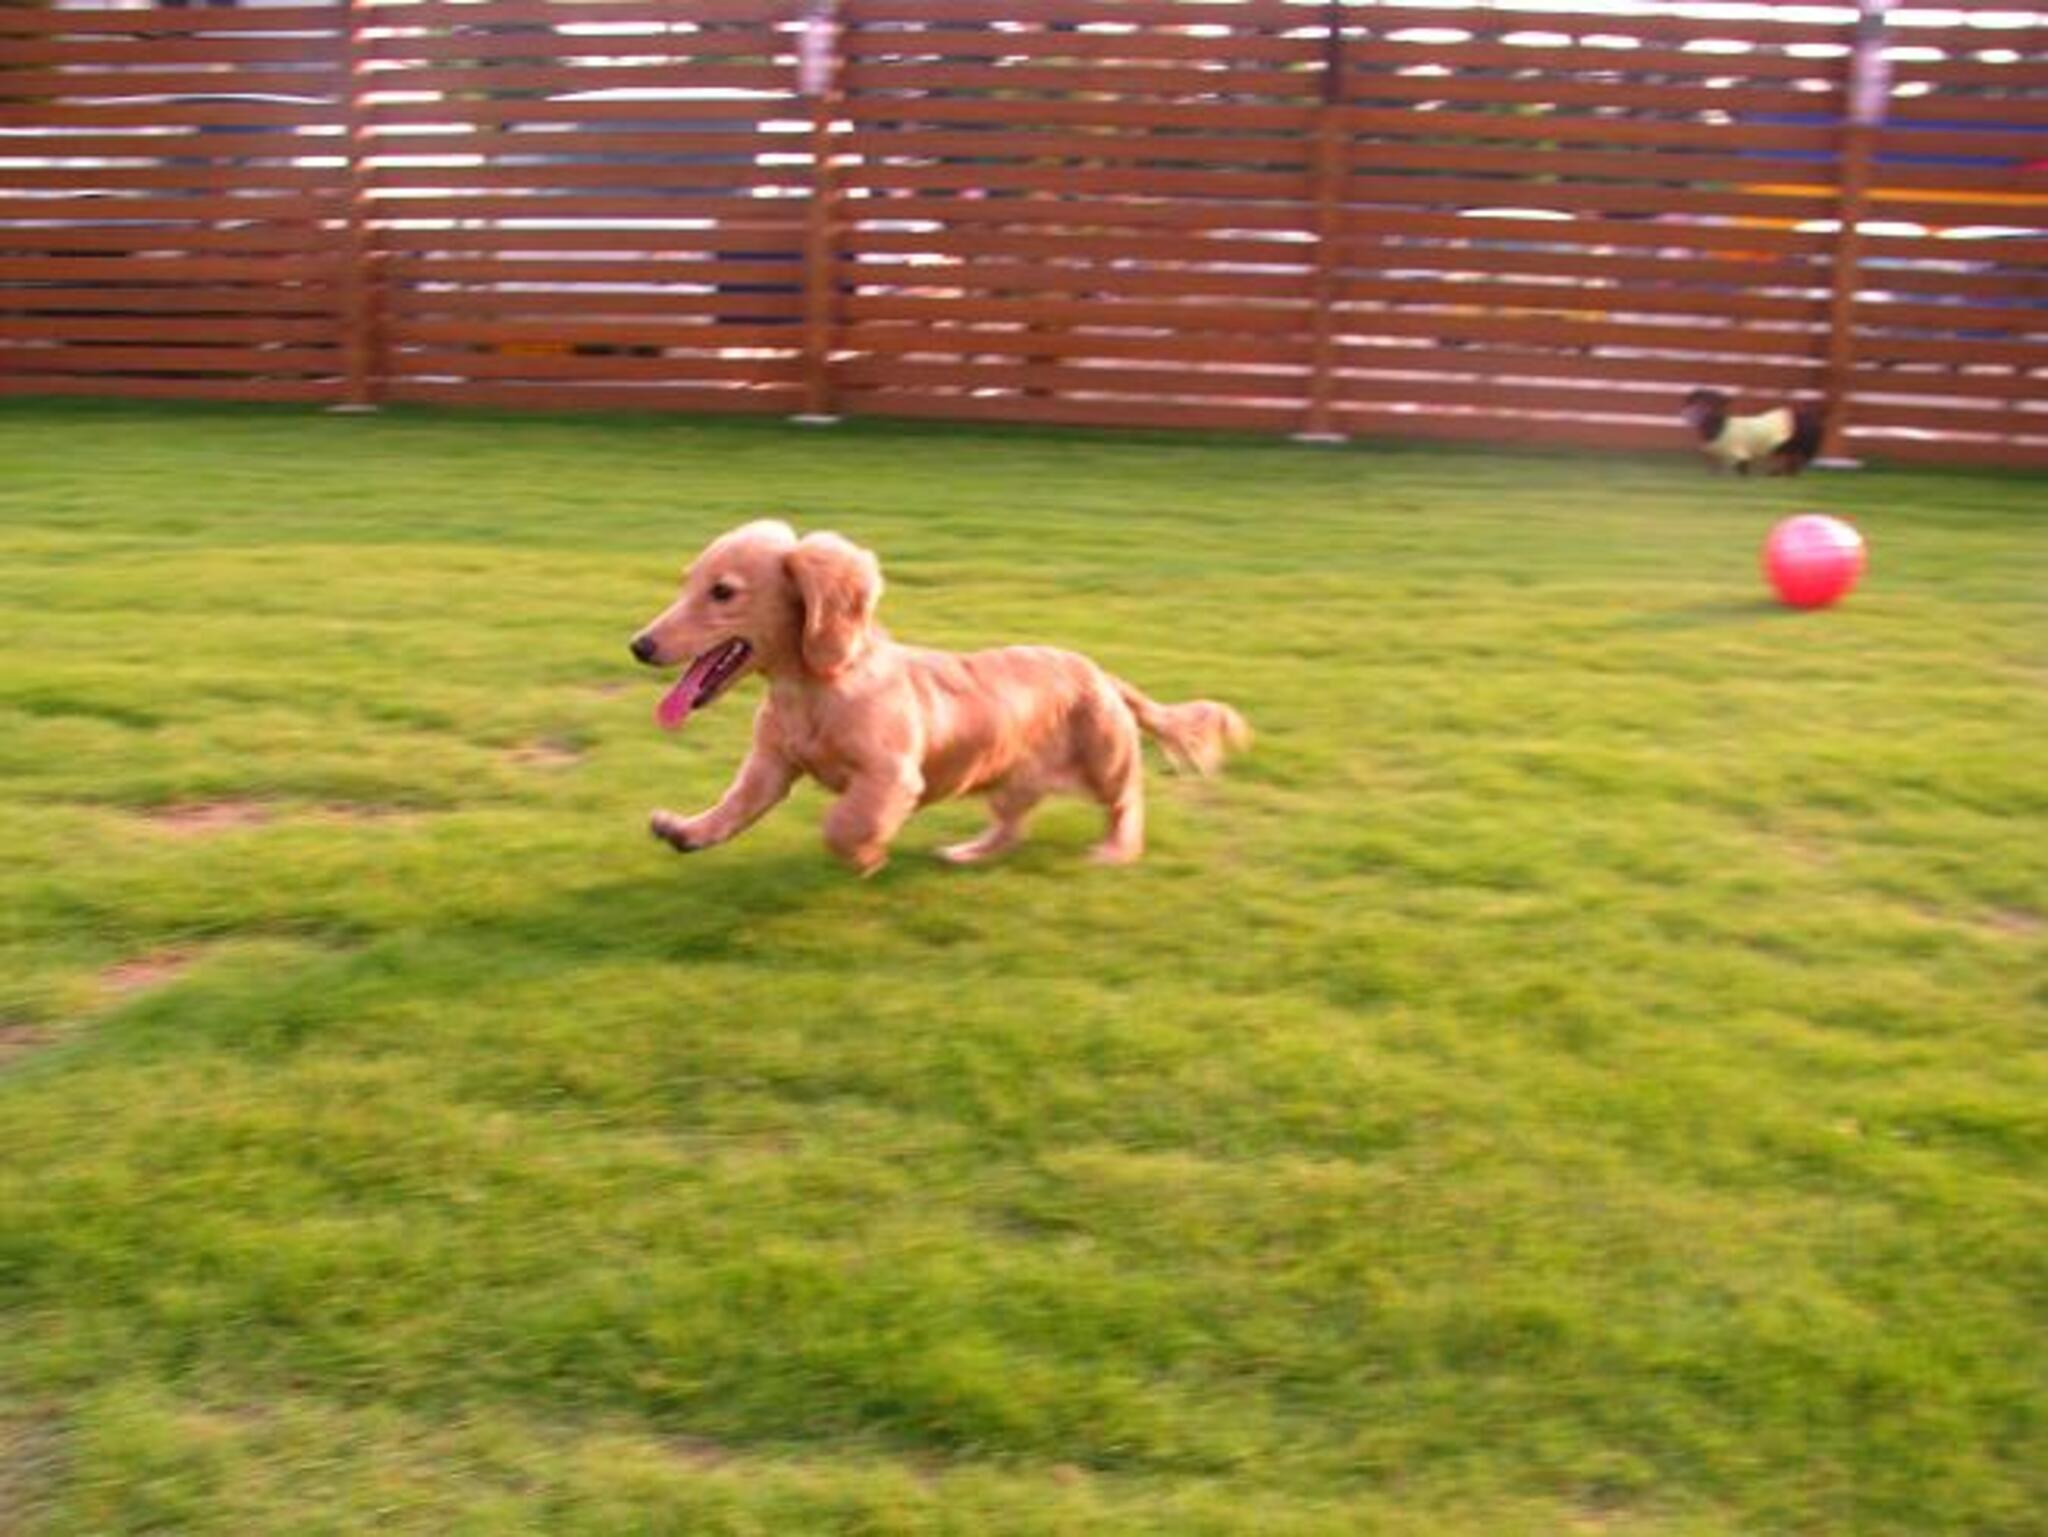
(563, 79)
(1659, 166)
(2007, 419)
(1083, 213)
(411, 303)
(1627, 97)
(1766, 376)
(170, 52)
(582, 331)
(1691, 272)
(1436, 191)
(639, 177)
(164, 269)
(280, 391)
(165, 359)
(554, 276)
(1188, 380)
(317, 81)
(284, 208)
(1185, 319)
(1949, 110)
(1477, 325)
(100, 299)
(1766, 28)
(1878, 381)
(573, 215)
(631, 247)
(152, 22)
(186, 147)
(63, 116)
(1237, 48)
(548, 146)
(1154, 79)
(1993, 454)
(1593, 398)
(1260, 186)
(1581, 298)
(1375, 420)
(899, 339)
(465, 16)
(208, 176)
(1558, 128)
(1093, 246)
(1055, 411)
(151, 242)
(1566, 59)
(1017, 279)
(1271, 152)
(393, 117)
(489, 50)
(253, 330)
(1268, 15)
(1754, 240)
(1207, 116)
(776, 400)
(588, 368)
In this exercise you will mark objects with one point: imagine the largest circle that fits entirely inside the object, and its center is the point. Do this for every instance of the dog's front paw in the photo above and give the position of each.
(677, 832)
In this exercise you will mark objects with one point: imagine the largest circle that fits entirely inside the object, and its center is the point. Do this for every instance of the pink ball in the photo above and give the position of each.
(1813, 560)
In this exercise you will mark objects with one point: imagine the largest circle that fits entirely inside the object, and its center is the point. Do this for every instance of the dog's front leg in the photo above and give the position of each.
(762, 783)
(863, 820)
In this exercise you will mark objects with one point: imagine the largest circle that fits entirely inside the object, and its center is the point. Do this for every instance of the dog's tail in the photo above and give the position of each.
(1196, 736)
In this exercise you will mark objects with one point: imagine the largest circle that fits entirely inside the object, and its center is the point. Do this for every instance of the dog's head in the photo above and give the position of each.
(759, 599)
(1706, 412)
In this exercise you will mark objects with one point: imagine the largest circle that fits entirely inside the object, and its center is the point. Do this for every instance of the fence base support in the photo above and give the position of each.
(1838, 462)
(814, 419)
(1318, 437)
(353, 408)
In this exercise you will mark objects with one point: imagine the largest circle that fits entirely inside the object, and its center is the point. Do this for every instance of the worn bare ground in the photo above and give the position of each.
(545, 752)
(199, 819)
(18, 1039)
(141, 972)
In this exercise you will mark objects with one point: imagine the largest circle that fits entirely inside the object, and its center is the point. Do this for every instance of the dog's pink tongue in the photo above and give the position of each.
(677, 703)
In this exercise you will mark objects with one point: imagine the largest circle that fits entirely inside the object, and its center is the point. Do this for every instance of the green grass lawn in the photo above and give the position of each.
(1583, 1072)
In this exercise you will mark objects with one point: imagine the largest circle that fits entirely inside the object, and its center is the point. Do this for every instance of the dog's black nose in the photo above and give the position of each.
(643, 648)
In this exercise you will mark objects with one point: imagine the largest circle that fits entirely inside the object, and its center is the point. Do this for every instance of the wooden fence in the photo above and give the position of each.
(1540, 223)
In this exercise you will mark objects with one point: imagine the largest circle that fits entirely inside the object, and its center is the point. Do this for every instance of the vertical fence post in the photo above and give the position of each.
(358, 281)
(1868, 87)
(819, 61)
(1330, 151)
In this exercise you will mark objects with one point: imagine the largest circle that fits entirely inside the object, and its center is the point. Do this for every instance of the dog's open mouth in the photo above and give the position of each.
(710, 675)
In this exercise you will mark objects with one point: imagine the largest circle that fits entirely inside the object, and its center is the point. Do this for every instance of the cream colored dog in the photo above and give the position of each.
(890, 727)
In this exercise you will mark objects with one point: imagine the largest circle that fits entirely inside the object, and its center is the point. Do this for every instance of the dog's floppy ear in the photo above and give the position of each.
(840, 584)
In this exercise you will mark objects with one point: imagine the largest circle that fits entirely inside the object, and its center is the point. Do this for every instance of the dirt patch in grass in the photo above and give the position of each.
(2016, 923)
(17, 1040)
(31, 1458)
(698, 1452)
(142, 972)
(200, 819)
(609, 690)
(365, 811)
(546, 753)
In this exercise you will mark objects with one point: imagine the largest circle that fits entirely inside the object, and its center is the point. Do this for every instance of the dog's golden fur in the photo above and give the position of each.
(891, 727)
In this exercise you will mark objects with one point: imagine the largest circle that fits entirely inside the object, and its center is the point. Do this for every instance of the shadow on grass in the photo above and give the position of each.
(1699, 616)
(689, 908)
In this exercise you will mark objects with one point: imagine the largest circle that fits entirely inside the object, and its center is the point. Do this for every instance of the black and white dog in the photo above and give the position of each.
(1784, 441)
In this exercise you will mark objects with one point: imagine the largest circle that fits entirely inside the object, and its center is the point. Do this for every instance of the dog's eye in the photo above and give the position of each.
(721, 592)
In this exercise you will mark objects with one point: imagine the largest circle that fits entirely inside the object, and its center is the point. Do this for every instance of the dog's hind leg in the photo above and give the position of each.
(1113, 769)
(1011, 805)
